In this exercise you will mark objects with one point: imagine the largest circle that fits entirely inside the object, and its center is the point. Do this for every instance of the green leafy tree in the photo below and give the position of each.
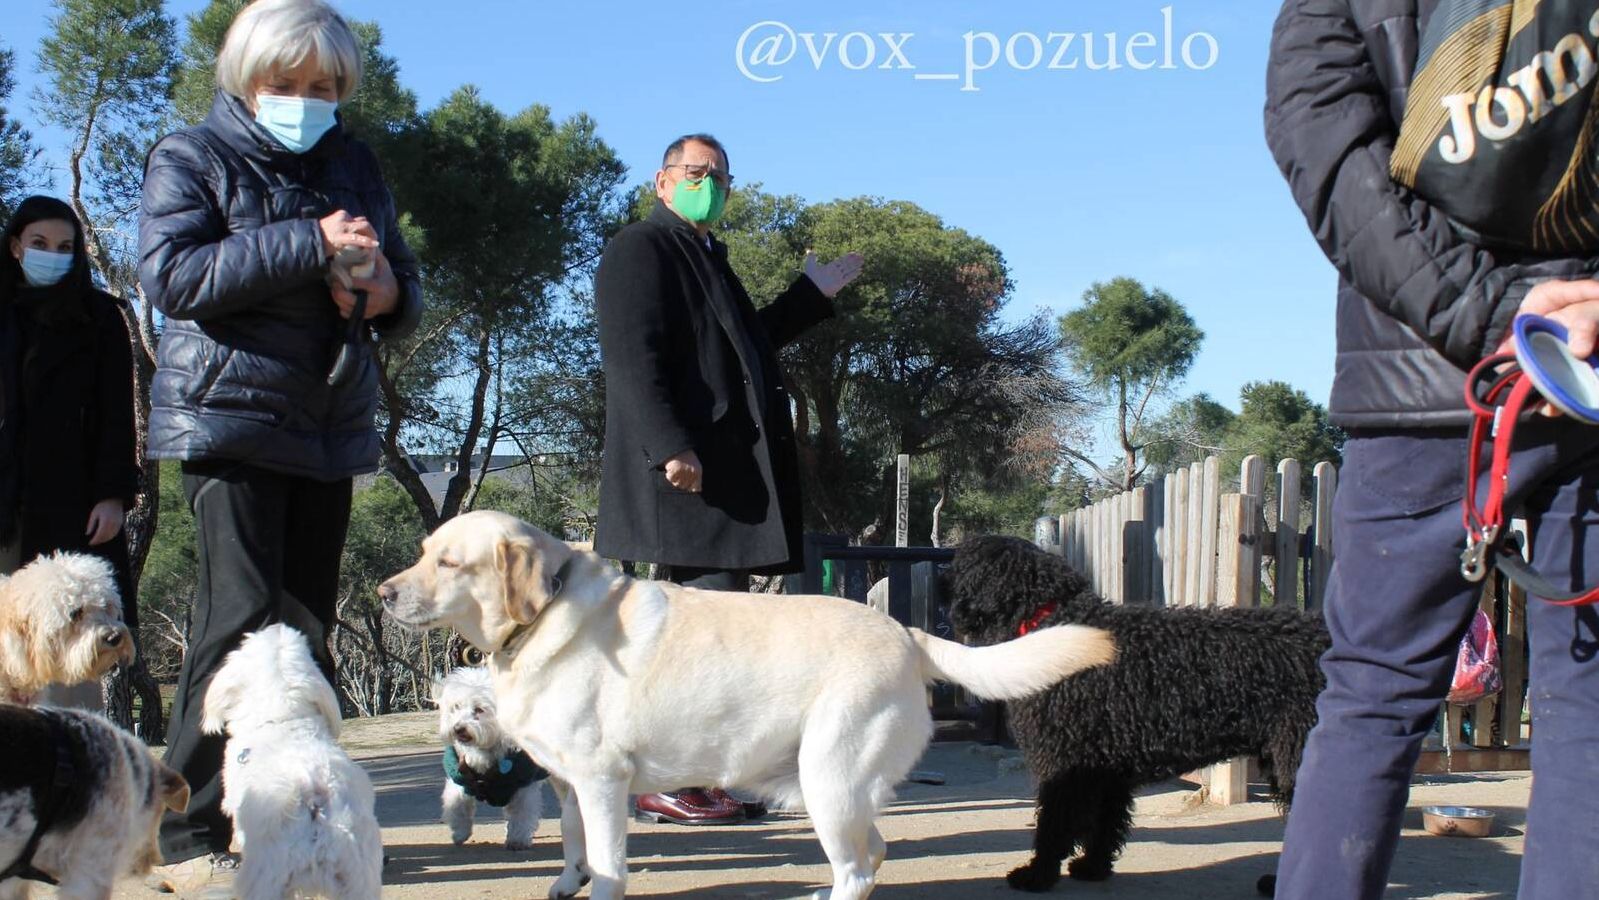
(1277, 421)
(167, 588)
(375, 660)
(1071, 490)
(108, 68)
(1132, 343)
(16, 144)
(1190, 431)
(195, 83)
(513, 211)
(535, 500)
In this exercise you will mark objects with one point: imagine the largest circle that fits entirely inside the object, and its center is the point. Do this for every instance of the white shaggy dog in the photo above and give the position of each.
(623, 686)
(60, 622)
(80, 803)
(482, 763)
(302, 810)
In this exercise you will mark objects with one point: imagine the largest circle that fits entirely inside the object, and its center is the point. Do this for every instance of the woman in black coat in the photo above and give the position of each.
(247, 229)
(68, 465)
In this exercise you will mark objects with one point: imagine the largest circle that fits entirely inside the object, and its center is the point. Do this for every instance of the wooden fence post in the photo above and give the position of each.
(1135, 543)
(1177, 515)
(1196, 531)
(1285, 587)
(1238, 584)
(1207, 541)
(1099, 549)
(1158, 546)
(1321, 554)
(1513, 659)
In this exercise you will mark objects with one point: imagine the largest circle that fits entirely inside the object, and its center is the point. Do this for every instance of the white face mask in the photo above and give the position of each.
(43, 268)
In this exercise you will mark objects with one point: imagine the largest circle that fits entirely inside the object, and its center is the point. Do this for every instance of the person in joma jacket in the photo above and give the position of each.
(241, 220)
(68, 460)
(1441, 153)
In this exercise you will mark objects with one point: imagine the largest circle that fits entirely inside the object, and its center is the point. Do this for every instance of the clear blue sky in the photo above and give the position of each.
(1076, 175)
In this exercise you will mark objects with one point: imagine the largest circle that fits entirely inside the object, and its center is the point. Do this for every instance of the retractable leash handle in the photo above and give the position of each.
(1498, 390)
(1569, 383)
(351, 261)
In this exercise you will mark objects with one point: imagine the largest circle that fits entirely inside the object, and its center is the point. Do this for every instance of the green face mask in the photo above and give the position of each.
(700, 202)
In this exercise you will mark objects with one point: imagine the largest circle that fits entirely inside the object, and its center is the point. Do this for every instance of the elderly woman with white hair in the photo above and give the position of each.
(270, 243)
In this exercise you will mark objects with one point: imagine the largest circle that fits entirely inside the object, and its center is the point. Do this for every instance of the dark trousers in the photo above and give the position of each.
(1397, 607)
(709, 579)
(269, 551)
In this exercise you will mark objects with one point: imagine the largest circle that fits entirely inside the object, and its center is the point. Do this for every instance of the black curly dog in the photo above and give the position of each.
(1189, 688)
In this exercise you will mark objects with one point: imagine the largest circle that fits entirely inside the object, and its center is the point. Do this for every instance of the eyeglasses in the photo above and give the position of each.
(699, 172)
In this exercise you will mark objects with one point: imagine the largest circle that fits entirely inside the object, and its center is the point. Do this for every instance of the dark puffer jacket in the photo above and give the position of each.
(231, 253)
(1417, 302)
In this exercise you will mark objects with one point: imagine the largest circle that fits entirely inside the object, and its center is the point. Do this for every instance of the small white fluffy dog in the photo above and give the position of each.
(489, 766)
(80, 802)
(302, 810)
(60, 622)
(812, 700)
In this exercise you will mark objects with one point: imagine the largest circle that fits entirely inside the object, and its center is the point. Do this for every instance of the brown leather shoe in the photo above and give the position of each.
(695, 806)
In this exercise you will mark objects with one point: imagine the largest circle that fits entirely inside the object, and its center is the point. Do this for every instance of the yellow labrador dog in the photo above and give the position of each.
(620, 686)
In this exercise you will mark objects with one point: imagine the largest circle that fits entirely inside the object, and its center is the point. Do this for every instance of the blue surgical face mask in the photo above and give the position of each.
(297, 122)
(43, 268)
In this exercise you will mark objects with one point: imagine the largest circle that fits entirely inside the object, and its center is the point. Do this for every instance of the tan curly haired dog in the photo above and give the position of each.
(60, 622)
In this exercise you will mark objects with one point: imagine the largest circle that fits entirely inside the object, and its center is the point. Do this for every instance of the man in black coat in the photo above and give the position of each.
(1443, 226)
(700, 472)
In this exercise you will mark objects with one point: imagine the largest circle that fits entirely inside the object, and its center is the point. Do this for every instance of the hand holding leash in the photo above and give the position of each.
(1542, 367)
(349, 263)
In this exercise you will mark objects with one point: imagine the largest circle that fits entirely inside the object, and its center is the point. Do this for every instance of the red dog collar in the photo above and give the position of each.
(1037, 621)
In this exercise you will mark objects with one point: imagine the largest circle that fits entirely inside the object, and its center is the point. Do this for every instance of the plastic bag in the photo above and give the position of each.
(1477, 667)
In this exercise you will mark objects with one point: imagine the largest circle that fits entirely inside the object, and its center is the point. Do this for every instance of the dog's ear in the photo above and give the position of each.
(527, 568)
(174, 789)
(436, 695)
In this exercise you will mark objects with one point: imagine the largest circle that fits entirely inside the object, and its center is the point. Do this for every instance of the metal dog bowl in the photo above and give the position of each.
(1457, 821)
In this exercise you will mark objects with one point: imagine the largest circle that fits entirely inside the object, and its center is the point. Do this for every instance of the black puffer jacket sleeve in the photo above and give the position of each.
(190, 267)
(1331, 130)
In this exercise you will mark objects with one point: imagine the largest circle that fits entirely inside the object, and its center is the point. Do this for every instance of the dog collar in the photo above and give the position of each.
(1037, 621)
(519, 635)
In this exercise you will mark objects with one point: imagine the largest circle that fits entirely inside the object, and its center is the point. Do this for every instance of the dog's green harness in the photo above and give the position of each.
(514, 771)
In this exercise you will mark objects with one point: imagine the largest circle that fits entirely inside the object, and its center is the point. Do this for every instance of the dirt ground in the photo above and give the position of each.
(950, 842)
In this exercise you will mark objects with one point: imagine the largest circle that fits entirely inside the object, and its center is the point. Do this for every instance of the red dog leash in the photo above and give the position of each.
(1498, 391)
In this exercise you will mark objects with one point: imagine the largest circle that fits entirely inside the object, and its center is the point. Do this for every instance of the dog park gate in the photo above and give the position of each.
(1180, 541)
